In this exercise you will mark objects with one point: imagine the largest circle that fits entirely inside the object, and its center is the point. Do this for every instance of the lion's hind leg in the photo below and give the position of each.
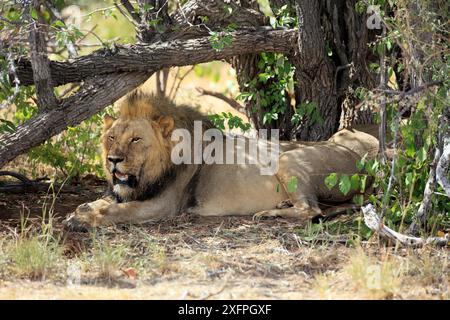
(302, 202)
(301, 210)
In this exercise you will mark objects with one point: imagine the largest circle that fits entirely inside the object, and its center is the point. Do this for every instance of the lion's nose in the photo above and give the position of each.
(115, 159)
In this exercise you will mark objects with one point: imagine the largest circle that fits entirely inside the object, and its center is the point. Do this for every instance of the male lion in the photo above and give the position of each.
(145, 184)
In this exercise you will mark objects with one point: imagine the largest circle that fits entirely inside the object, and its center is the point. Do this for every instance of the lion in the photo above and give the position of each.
(145, 184)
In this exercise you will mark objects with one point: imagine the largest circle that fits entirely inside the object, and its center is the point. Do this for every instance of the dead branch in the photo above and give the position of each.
(442, 167)
(373, 221)
(26, 185)
(233, 103)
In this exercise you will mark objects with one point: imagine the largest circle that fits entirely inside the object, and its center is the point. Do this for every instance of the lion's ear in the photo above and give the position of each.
(108, 121)
(166, 123)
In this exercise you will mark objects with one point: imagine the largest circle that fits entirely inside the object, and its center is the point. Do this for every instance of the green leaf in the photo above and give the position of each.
(345, 184)
(358, 199)
(408, 179)
(34, 14)
(422, 155)
(355, 181)
(58, 24)
(331, 180)
(363, 181)
(292, 184)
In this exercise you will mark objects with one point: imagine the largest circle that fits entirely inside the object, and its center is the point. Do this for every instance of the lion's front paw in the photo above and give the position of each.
(265, 214)
(85, 217)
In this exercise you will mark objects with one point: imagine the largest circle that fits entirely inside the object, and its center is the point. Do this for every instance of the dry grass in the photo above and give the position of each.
(207, 258)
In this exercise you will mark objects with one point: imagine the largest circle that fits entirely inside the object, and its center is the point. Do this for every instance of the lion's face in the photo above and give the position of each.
(135, 152)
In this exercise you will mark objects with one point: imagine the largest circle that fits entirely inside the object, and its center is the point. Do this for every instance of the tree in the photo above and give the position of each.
(306, 69)
(198, 31)
(108, 74)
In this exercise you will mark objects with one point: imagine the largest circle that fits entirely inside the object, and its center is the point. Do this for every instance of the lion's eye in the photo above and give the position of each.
(135, 139)
(111, 138)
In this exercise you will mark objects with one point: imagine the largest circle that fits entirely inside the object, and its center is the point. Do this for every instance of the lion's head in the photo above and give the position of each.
(137, 145)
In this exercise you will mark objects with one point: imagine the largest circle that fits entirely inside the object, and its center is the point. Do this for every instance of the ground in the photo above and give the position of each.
(190, 257)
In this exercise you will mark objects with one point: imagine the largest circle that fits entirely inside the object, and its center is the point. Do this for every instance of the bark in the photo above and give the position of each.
(315, 74)
(159, 55)
(42, 78)
(155, 21)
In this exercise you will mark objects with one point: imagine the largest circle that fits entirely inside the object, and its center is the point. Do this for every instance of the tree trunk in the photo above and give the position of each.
(314, 74)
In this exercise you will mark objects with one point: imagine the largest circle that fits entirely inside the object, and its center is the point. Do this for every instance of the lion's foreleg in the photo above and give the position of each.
(103, 212)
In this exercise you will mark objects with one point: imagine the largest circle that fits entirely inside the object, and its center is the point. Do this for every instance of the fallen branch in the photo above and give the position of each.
(373, 221)
(31, 186)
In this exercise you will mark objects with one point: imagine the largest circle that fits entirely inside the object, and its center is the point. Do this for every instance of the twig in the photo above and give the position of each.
(132, 20)
(422, 212)
(373, 221)
(174, 81)
(57, 16)
(181, 80)
(382, 127)
(129, 7)
(221, 96)
(393, 162)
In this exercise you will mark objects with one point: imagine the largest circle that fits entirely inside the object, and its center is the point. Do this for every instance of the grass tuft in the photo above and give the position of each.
(34, 257)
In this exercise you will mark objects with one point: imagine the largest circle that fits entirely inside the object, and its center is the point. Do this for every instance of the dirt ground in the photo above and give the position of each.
(190, 257)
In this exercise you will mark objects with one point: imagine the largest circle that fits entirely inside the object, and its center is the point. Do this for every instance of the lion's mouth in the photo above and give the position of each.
(121, 176)
(124, 179)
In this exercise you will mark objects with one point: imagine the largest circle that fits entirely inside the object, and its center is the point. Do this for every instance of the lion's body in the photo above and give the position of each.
(145, 184)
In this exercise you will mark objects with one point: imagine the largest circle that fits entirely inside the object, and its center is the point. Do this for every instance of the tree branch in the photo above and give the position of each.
(160, 55)
(221, 96)
(120, 72)
(93, 96)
